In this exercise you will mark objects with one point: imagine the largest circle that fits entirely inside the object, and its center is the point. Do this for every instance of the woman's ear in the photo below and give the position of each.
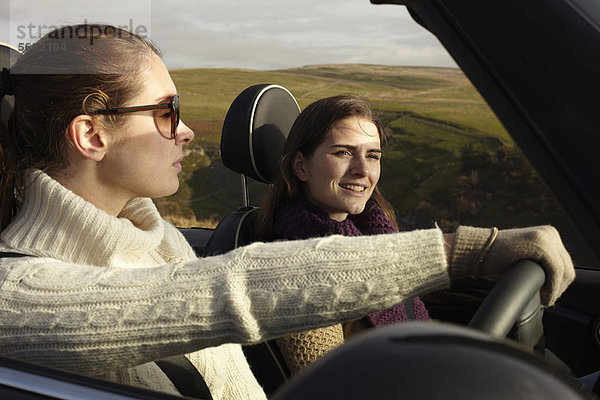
(299, 166)
(88, 137)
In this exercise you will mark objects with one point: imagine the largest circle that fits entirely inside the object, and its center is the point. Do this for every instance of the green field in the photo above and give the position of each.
(447, 157)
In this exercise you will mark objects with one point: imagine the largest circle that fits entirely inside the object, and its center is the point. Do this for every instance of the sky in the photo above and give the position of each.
(253, 34)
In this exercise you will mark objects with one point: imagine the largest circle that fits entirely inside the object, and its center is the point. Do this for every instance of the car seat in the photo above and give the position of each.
(254, 133)
(8, 56)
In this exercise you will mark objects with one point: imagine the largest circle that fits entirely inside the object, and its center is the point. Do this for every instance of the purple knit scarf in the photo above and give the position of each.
(302, 220)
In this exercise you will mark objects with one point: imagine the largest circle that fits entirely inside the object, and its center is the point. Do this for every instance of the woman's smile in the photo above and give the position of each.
(353, 188)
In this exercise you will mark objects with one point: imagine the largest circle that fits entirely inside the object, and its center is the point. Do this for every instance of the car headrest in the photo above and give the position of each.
(255, 129)
(8, 56)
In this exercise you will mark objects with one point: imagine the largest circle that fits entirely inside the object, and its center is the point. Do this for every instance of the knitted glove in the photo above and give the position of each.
(541, 244)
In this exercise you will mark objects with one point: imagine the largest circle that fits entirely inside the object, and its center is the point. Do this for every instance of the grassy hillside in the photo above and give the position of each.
(447, 157)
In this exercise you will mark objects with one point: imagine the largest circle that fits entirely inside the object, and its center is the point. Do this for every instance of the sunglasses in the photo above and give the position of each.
(166, 122)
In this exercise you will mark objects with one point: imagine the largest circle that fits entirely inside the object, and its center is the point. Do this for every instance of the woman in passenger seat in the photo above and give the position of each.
(331, 167)
(107, 288)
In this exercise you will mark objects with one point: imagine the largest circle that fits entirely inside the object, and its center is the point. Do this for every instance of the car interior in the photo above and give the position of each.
(464, 353)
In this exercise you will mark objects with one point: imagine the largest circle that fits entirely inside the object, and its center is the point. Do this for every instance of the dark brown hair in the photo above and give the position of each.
(72, 70)
(307, 133)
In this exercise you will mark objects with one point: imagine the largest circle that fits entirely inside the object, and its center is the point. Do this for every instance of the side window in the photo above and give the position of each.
(447, 158)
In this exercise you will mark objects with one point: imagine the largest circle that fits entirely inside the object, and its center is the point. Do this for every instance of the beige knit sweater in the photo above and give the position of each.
(105, 296)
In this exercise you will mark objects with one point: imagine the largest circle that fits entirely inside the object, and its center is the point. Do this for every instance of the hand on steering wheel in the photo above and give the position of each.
(541, 244)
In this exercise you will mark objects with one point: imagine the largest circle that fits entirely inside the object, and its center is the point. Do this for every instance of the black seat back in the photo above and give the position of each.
(234, 230)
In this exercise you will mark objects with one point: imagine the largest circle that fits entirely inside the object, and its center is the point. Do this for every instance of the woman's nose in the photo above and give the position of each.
(184, 133)
(359, 167)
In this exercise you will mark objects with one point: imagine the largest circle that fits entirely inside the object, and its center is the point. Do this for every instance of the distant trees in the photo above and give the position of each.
(492, 178)
(489, 184)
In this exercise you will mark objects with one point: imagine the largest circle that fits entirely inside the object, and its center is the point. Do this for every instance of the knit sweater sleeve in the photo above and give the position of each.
(90, 319)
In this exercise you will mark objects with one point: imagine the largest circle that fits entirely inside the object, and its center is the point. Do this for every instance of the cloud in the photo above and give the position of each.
(258, 34)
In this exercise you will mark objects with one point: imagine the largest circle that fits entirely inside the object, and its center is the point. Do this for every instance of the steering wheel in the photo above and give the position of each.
(514, 301)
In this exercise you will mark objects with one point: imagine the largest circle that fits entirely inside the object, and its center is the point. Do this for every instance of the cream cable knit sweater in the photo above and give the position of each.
(105, 296)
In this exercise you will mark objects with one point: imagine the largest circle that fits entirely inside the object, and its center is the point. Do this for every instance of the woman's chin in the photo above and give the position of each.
(167, 191)
(355, 209)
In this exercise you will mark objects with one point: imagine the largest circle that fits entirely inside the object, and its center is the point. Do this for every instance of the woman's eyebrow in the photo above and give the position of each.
(353, 148)
(164, 99)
